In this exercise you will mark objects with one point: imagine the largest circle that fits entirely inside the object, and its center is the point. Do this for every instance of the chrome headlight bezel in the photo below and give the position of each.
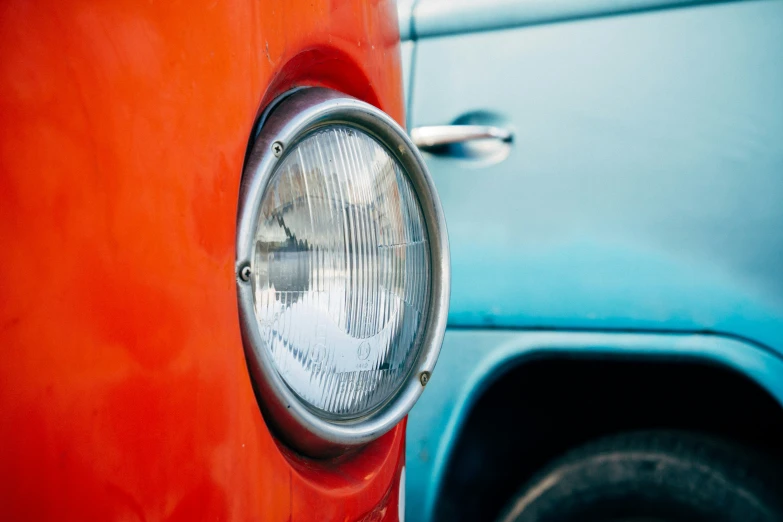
(285, 123)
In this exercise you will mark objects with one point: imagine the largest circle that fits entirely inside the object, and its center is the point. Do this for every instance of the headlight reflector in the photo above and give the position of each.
(341, 272)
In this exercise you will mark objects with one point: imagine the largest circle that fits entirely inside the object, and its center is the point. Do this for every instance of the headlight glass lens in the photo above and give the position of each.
(341, 272)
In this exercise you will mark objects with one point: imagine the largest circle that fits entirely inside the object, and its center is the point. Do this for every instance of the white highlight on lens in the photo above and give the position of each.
(341, 272)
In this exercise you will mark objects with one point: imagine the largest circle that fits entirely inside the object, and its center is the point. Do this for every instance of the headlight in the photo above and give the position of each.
(343, 271)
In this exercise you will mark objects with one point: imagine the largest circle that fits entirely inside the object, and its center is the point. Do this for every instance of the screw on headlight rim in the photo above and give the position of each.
(245, 272)
(424, 378)
(277, 148)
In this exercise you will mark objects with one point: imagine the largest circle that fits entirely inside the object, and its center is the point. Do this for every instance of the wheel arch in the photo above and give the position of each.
(480, 362)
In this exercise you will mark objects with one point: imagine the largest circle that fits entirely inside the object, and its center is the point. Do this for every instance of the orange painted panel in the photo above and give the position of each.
(123, 128)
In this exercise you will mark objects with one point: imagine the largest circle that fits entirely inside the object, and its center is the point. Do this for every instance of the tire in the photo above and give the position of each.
(652, 476)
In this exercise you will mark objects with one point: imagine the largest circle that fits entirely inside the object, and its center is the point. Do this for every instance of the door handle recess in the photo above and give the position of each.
(437, 136)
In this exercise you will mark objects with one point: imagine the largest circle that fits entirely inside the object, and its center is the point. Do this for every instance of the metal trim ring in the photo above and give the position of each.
(288, 121)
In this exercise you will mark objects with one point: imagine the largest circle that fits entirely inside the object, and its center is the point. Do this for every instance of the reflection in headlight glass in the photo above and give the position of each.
(341, 272)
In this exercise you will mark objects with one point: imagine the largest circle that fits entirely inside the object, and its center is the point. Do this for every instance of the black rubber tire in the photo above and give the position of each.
(652, 476)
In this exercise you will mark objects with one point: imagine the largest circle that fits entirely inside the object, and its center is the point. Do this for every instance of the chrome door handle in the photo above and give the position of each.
(434, 136)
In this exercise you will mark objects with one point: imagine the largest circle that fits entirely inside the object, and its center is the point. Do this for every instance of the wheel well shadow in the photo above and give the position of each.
(540, 409)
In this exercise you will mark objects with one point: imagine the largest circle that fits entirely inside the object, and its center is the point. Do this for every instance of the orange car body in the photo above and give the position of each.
(124, 125)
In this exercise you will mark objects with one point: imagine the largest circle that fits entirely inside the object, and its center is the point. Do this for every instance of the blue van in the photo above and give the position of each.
(612, 177)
